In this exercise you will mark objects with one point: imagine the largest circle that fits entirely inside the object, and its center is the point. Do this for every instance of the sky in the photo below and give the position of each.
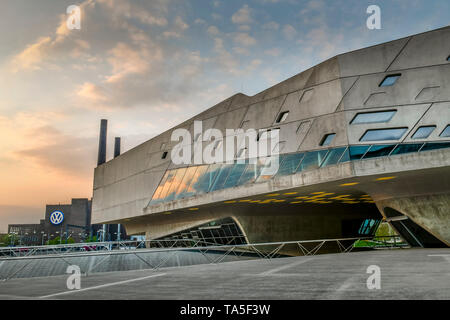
(149, 65)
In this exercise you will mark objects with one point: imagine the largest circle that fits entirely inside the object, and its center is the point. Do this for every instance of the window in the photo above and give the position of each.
(446, 132)
(333, 156)
(448, 58)
(164, 155)
(423, 132)
(379, 151)
(373, 117)
(383, 134)
(283, 116)
(406, 148)
(389, 80)
(326, 140)
(312, 160)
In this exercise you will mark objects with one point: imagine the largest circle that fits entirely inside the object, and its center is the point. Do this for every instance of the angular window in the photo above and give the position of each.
(177, 178)
(390, 80)
(423, 132)
(326, 140)
(373, 117)
(446, 132)
(252, 172)
(448, 58)
(383, 134)
(312, 160)
(235, 174)
(270, 166)
(407, 148)
(435, 145)
(290, 164)
(379, 151)
(206, 180)
(333, 156)
(282, 116)
(354, 153)
(221, 177)
(184, 190)
(197, 181)
(164, 155)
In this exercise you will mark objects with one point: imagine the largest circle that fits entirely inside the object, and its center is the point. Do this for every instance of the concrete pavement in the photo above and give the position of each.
(405, 274)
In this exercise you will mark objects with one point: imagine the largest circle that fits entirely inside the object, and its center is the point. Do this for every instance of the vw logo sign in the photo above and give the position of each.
(57, 217)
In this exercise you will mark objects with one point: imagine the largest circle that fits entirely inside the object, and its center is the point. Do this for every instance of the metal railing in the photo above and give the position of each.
(304, 247)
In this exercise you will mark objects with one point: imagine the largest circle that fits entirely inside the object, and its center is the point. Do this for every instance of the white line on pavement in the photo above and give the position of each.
(286, 266)
(102, 286)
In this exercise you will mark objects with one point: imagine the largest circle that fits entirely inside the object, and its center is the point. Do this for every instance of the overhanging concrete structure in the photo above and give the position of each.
(366, 136)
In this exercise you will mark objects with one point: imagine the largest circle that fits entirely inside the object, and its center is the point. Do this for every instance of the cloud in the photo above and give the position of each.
(272, 25)
(274, 52)
(289, 32)
(212, 30)
(242, 16)
(244, 39)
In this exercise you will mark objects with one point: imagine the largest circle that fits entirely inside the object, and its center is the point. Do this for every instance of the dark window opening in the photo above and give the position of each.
(446, 132)
(326, 140)
(164, 155)
(373, 117)
(282, 116)
(383, 134)
(423, 132)
(389, 80)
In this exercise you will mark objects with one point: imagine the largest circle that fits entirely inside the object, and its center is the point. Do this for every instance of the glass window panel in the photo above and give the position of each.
(390, 80)
(290, 164)
(354, 153)
(269, 167)
(168, 184)
(156, 195)
(194, 187)
(333, 156)
(183, 190)
(435, 145)
(383, 134)
(283, 116)
(206, 180)
(312, 160)
(235, 174)
(446, 132)
(177, 178)
(379, 151)
(423, 132)
(222, 176)
(373, 117)
(327, 139)
(407, 148)
(252, 171)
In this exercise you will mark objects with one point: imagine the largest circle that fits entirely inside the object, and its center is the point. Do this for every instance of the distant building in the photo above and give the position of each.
(65, 221)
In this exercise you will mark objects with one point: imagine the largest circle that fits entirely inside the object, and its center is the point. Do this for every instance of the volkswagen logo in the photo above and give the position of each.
(57, 217)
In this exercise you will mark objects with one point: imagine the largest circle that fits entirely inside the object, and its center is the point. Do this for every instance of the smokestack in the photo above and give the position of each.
(116, 147)
(102, 142)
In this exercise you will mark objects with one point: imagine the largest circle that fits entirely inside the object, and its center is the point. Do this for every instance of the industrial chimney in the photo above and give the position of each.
(102, 142)
(116, 147)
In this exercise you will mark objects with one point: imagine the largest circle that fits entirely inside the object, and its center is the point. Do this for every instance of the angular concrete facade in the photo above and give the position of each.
(388, 107)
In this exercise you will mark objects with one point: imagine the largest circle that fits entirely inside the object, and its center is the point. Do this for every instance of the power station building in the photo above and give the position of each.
(363, 136)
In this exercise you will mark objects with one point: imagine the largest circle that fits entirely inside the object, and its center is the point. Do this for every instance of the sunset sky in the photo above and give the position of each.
(148, 65)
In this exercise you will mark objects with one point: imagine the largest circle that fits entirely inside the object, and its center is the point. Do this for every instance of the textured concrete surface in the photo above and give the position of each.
(405, 274)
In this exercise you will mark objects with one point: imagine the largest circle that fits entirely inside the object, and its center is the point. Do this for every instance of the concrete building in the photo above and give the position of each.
(62, 220)
(363, 136)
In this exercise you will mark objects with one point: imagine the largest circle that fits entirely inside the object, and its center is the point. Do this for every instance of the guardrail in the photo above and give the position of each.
(179, 244)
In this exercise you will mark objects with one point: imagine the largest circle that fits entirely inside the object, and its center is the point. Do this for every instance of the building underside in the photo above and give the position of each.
(364, 136)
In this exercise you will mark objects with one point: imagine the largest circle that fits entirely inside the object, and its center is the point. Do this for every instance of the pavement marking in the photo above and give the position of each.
(286, 266)
(445, 256)
(101, 286)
